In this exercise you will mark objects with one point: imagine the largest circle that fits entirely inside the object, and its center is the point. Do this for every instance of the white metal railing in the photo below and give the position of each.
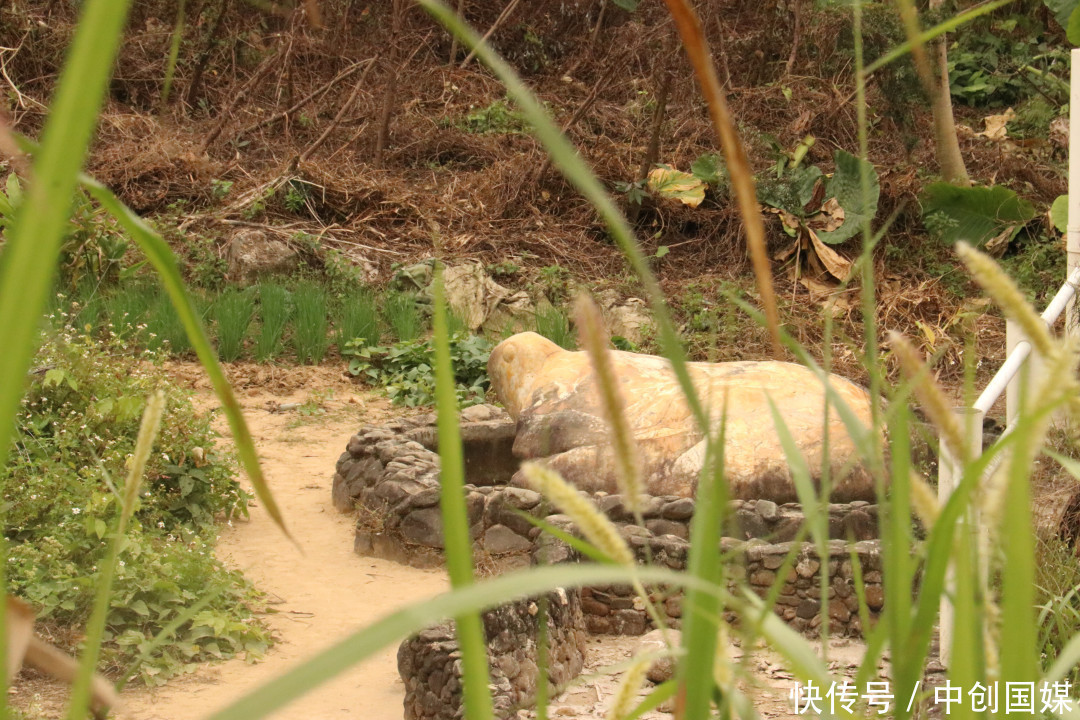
(1009, 378)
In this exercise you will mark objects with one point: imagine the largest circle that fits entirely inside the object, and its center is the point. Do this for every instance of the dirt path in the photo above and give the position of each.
(320, 595)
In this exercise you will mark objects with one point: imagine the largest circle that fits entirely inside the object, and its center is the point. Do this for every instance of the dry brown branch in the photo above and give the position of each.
(580, 112)
(204, 57)
(262, 72)
(387, 108)
(313, 95)
(303, 157)
(507, 11)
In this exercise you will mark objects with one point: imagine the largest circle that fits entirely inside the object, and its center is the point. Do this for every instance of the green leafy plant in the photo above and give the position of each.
(309, 323)
(405, 369)
(496, 118)
(73, 438)
(233, 311)
(126, 309)
(274, 311)
(402, 315)
(987, 217)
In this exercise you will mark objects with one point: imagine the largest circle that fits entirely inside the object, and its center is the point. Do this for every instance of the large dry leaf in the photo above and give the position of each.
(995, 125)
(666, 181)
(838, 266)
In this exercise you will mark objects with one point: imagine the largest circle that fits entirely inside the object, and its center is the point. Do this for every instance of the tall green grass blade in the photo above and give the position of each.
(469, 599)
(174, 53)
(403, 316)
(95, 628)
(163, 260)
(29, 258)
(309, 323)
(233, 312)
(701, 610)
(274, 315)
(358, 318)
(1019, 653)
(459, 563)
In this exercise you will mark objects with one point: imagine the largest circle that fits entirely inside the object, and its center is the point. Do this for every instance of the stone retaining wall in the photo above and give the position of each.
(430, 662)
(390, 475)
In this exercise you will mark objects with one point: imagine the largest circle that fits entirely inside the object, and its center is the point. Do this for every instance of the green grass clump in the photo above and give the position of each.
(309, 323)
(126, 309)
(553, 323)
(403, 316)
(274, 311)
(233, 312)
(357, 317)
(164, 328)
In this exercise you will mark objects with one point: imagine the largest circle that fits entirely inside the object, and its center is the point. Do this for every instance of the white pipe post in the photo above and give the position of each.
(1013, 392)
(1072, 236)
(950, 473)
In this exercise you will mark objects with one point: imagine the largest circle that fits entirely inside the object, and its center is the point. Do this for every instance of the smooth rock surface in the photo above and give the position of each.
(552, 394)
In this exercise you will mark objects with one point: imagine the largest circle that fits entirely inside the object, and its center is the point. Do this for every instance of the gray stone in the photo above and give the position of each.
(681, 509)
(499, 540)
(252, 254)
(766, 509)
(808, 609)
(423, 527)
(652, 642)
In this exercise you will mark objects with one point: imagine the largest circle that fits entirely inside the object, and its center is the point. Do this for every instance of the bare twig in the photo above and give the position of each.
(204, 57)
(507, 11)
(303, 157)
(267, 66)
(391, 83)
(317, 93)
(797, 11)
(454, 42)
(580, 112)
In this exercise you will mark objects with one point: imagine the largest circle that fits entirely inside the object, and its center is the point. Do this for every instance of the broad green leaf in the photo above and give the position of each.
(846, 186)
(792, 192)
(668, 182)
(1063, 11)
(661, 251)
(1072, 30)
(1059, 212)
(708, 168)
(974, 214)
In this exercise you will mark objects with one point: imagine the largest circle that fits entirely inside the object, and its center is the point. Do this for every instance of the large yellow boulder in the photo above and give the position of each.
(552, 394)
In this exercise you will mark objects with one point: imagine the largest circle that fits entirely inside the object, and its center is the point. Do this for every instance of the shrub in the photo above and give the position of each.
(274, 313)
(74, 434)
(309, 323)
(233, 311)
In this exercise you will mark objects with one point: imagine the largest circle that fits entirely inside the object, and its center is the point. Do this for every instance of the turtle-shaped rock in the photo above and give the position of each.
(552, 394)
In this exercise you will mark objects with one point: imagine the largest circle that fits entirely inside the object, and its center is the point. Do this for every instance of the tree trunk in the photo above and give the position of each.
(946, 144)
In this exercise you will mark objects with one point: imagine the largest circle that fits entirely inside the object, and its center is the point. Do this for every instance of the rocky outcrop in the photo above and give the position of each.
(251, 254)
(552, 394)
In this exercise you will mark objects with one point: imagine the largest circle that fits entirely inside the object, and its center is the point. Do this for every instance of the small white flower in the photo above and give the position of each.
(75, 511)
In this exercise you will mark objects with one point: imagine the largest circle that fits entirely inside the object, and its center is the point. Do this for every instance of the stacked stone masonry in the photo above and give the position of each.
(389, 475)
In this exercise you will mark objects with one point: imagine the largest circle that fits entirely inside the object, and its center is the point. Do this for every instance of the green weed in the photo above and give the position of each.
(274, 312)
(403, 316)
(164, 328)
(553, 323)
(233, 312)
(357, 318)
(309, 323)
